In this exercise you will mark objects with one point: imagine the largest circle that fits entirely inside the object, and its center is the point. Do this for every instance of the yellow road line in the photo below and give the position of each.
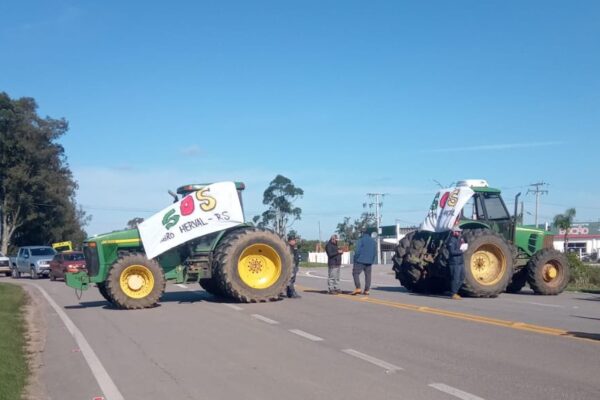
(522, 326)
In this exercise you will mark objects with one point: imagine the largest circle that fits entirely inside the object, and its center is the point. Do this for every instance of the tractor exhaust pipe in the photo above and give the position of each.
(513, 232)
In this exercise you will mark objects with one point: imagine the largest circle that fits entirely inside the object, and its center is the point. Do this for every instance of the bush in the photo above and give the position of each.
(583, 276)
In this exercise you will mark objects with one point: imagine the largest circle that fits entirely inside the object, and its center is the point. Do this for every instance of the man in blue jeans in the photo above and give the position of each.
(456, 263)
(364, 257)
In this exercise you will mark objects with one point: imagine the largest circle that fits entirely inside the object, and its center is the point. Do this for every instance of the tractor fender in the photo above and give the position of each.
(474, 225)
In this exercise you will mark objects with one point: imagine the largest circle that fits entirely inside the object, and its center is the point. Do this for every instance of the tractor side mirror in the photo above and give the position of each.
(175, 198)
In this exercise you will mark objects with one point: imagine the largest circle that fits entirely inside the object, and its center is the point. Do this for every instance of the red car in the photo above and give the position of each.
(70, 261)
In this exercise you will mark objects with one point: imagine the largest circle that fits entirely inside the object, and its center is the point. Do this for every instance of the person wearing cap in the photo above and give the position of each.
(334, 262)
(456, 262)
(291, 290)
(364, 257)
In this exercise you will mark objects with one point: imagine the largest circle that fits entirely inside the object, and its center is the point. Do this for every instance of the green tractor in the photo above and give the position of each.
(243, 263)
(500, 255)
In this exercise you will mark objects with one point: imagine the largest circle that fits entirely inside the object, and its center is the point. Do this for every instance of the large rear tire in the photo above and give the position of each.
(252, 265)
(135, 282)
(488, 263)
(211, 285)
(548, 272)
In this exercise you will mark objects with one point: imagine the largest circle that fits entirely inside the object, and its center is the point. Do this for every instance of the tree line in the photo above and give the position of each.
(37, 188)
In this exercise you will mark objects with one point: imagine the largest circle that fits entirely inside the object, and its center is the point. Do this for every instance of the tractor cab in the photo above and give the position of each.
(486, 209)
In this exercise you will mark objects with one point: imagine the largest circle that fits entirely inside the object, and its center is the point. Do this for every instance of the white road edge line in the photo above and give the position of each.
(233, 306)
(306, 335)
(390, 368)
(108, 387)
(454, 391)
(181, 285)
(264, 319)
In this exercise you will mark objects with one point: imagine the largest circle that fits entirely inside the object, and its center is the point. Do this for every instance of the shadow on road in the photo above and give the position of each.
(182, 297)
(396, 289)
(589, 298)
(324, 291)
(585, 335)
(581, 316)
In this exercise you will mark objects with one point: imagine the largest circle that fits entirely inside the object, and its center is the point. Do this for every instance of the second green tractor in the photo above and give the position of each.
(501, 255)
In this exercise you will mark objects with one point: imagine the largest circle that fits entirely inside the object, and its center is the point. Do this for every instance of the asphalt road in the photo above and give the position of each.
(390, 345)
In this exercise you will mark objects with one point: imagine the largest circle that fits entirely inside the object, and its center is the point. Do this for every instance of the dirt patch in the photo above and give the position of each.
(35, 320)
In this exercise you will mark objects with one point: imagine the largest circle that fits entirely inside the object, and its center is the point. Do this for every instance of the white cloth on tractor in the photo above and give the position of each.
(213, 208)
(446, 208)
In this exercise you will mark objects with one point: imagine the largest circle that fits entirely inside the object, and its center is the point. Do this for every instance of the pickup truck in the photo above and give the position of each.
(4, 265)
(33, 260)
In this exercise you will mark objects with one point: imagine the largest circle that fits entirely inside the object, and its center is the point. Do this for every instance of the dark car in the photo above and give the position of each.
(72, 261)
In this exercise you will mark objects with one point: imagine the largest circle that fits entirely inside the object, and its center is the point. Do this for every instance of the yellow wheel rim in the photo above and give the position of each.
(259, 266)
(488, 264)
(549, 272)
(136, 281)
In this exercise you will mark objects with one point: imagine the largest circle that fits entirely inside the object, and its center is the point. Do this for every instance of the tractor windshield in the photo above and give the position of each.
(495, 206)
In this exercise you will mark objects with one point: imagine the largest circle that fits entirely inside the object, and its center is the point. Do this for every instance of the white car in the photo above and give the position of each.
(4, 265)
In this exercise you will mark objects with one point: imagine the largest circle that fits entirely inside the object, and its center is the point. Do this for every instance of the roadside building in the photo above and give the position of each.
(583, 238)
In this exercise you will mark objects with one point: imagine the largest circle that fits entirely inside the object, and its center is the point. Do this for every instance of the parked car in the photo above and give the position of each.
(33, 260)
(4, 265)
(70, 261)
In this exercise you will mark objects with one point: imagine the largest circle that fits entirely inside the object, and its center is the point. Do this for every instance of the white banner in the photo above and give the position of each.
(213, 208)
(446, 208)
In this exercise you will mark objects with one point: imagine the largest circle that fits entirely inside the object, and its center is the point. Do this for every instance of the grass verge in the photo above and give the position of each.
(13, 367)
(584, 277)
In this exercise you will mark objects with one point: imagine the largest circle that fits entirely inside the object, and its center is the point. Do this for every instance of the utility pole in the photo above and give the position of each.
(378, 204)
(538, 192)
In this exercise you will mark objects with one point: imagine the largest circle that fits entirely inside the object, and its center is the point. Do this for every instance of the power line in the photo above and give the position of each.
(378, 205)
(538, 192)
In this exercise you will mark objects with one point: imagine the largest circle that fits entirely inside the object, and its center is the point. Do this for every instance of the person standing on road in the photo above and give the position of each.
(364, 257)
(291, 290)
(456, 262)
(334, 262)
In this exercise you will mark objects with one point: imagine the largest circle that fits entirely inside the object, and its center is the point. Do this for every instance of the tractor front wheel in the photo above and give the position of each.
(488, 264)
(252, 265)
(134, 282)
(410, 274)
(518, 281)
(548, 272)
(104, 292)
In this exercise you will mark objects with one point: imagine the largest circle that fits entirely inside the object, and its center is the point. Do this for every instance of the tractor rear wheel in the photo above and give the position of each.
(134, 282)
(211, 285)
(548, 272)
(104, 292)
(252, 265)
(518, 281)
(488, 263)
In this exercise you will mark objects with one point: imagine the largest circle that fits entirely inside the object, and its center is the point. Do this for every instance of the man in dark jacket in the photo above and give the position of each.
(456, 263)
(291, 291)
(364, 257)
(334, 262)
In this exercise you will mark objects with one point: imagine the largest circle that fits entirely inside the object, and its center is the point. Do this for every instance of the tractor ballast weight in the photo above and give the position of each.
(243, 263)
(500, 255)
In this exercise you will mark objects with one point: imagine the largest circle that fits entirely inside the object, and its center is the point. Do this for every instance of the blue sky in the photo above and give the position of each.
(342, 97)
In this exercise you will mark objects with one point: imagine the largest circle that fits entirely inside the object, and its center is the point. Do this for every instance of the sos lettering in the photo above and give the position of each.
(187, 206)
